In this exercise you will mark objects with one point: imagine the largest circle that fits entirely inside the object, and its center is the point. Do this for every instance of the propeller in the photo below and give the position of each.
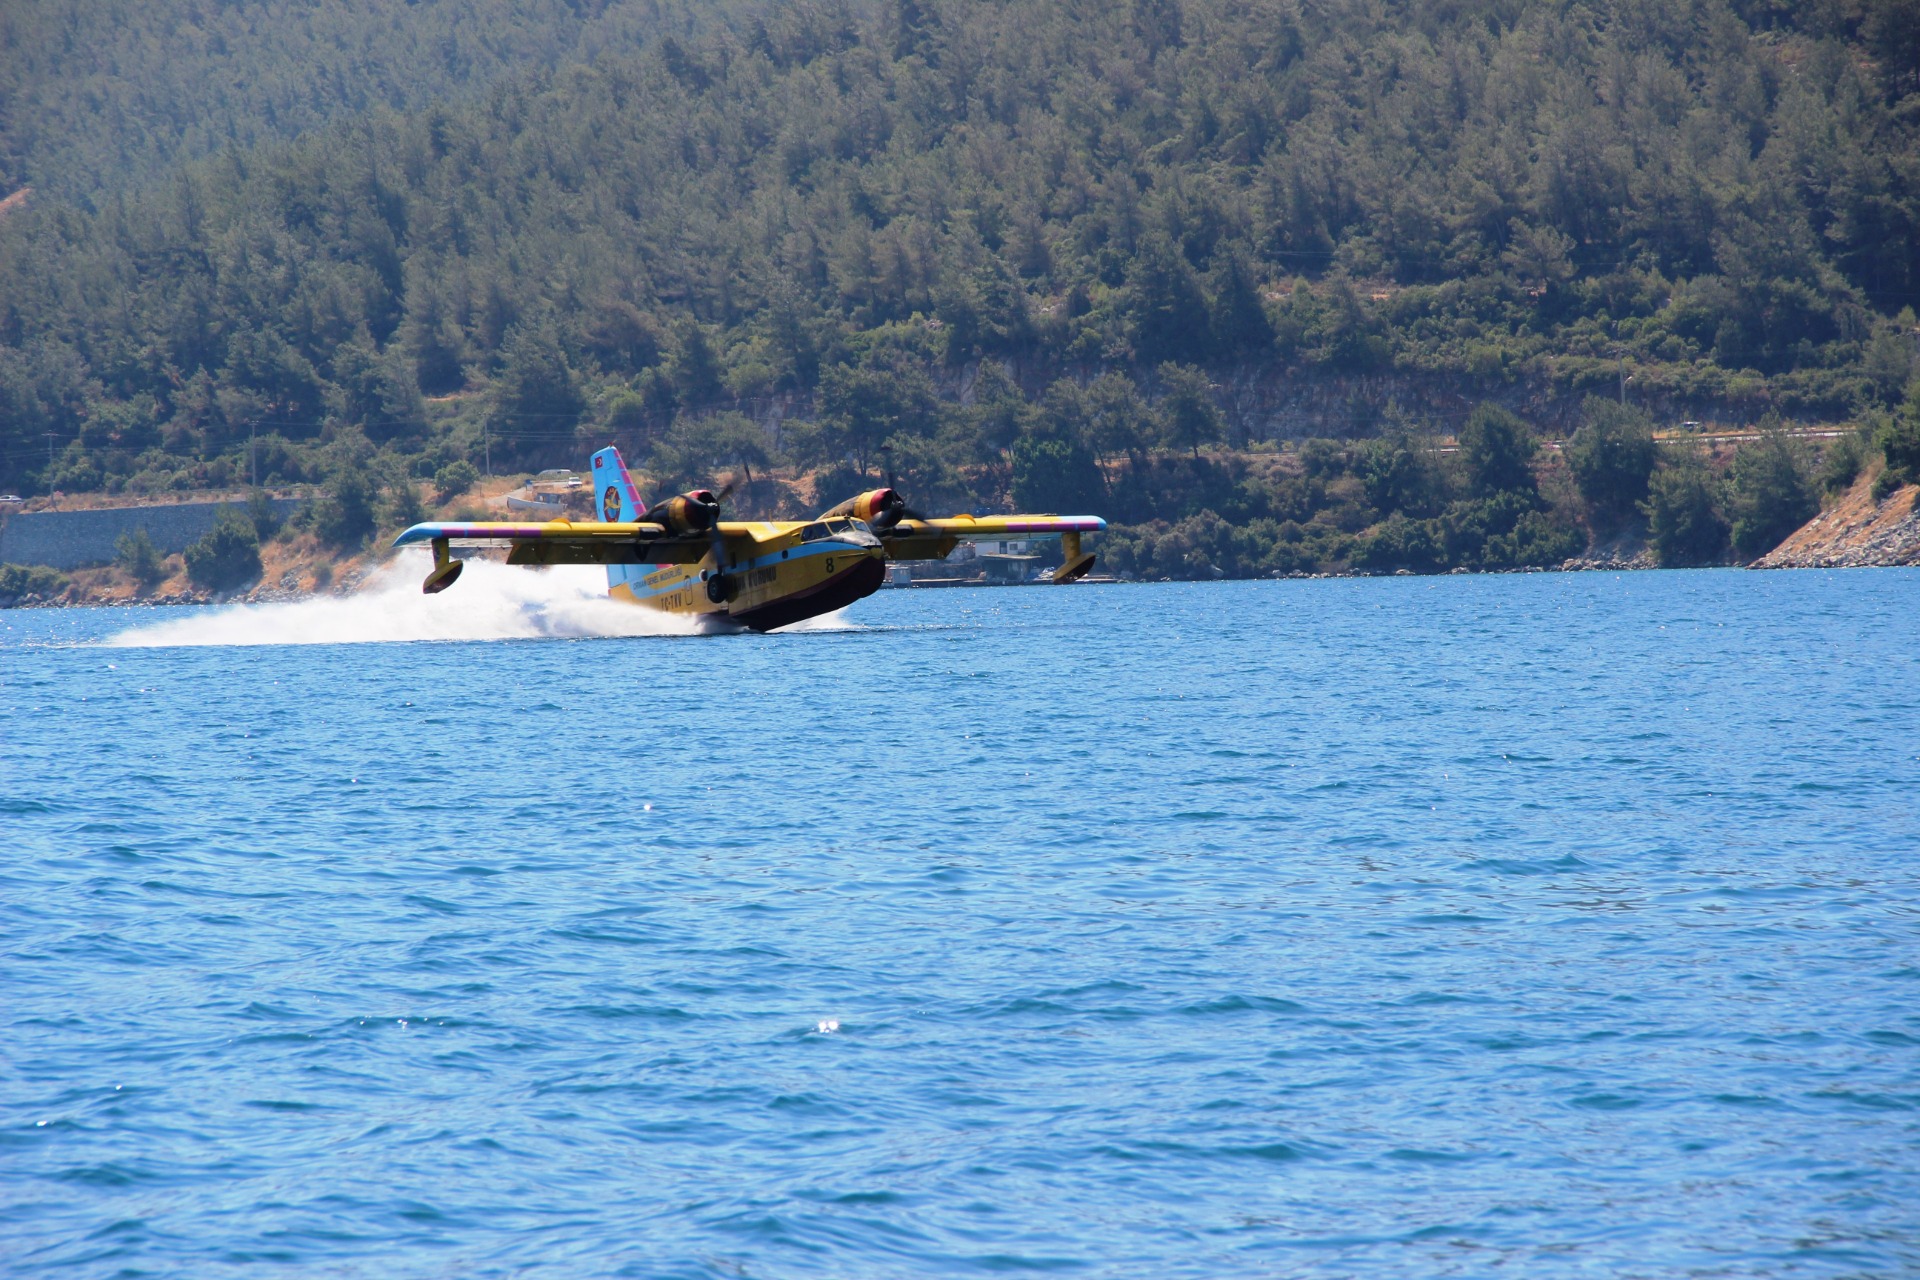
(895, 508)
(900, 510)
(718, 583)
(893, 512)
(882, 509)
(692, 512)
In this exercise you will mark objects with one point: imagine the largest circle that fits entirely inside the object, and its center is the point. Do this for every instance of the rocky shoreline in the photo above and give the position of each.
(1855, 533)
(105, 587)
(1633, 564)
(171, 600)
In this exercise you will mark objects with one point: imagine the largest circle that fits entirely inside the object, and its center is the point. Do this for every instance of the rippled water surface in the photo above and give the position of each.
(1549, 925)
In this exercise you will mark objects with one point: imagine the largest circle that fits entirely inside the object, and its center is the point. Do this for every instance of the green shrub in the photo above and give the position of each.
(1541, 539)
(1682, 523)
(1898, 440)
(1400, 476)
(400, 504)
(1325, 459)
(17, 581)
(1768, 495)
(537, 391)
(627, 414)
(136, 553)
(1611, 457)
(229, 556)
(1055, 475)
(1843, 462)
(454, 479)
(1201, 547)
(344, 515)
(1189, 416)
(266, 521)
(1400, 543)
(1496, 448)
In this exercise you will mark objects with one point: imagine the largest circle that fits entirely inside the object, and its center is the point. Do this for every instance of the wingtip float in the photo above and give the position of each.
(679, 556)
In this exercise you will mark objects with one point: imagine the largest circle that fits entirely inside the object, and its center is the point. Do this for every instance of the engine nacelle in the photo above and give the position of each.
(694, 512)
(880, 508)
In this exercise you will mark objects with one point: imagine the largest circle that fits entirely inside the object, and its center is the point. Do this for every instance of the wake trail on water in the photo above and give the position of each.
(491, 602)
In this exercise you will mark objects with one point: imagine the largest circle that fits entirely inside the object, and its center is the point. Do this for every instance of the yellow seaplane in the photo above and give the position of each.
(679, 556)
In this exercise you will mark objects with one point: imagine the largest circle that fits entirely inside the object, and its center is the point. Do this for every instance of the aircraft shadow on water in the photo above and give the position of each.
(679, 556)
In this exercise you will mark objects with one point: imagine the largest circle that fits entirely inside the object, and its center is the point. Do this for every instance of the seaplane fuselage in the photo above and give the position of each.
(679, 556)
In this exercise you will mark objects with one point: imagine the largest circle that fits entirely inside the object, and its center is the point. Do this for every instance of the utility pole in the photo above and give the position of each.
(486, 438)
(253, 457)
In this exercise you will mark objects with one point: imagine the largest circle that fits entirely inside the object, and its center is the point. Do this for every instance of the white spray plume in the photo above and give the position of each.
(490, 602)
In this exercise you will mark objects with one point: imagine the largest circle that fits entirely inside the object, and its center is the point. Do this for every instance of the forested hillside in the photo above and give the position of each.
(101, 94)
(1038, 250)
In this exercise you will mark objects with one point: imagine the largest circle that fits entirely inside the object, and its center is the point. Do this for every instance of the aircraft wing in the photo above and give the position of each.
(567, 542)
(559, 542)
(914, 539)
(1004, 526)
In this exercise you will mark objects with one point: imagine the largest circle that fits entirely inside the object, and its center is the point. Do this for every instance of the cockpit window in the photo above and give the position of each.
(832, 528)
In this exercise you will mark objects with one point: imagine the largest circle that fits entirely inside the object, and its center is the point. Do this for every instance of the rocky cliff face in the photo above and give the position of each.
(1855, 532)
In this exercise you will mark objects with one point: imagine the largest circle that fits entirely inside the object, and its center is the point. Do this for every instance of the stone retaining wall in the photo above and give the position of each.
(76, 539)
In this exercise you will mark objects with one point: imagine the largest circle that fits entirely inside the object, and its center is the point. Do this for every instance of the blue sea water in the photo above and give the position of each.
(1546, 925)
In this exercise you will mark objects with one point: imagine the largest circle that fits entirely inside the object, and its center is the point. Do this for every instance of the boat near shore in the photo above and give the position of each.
(550, 495)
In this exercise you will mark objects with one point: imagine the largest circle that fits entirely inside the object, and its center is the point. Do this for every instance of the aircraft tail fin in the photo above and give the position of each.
(617, 500)
(613, 489)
